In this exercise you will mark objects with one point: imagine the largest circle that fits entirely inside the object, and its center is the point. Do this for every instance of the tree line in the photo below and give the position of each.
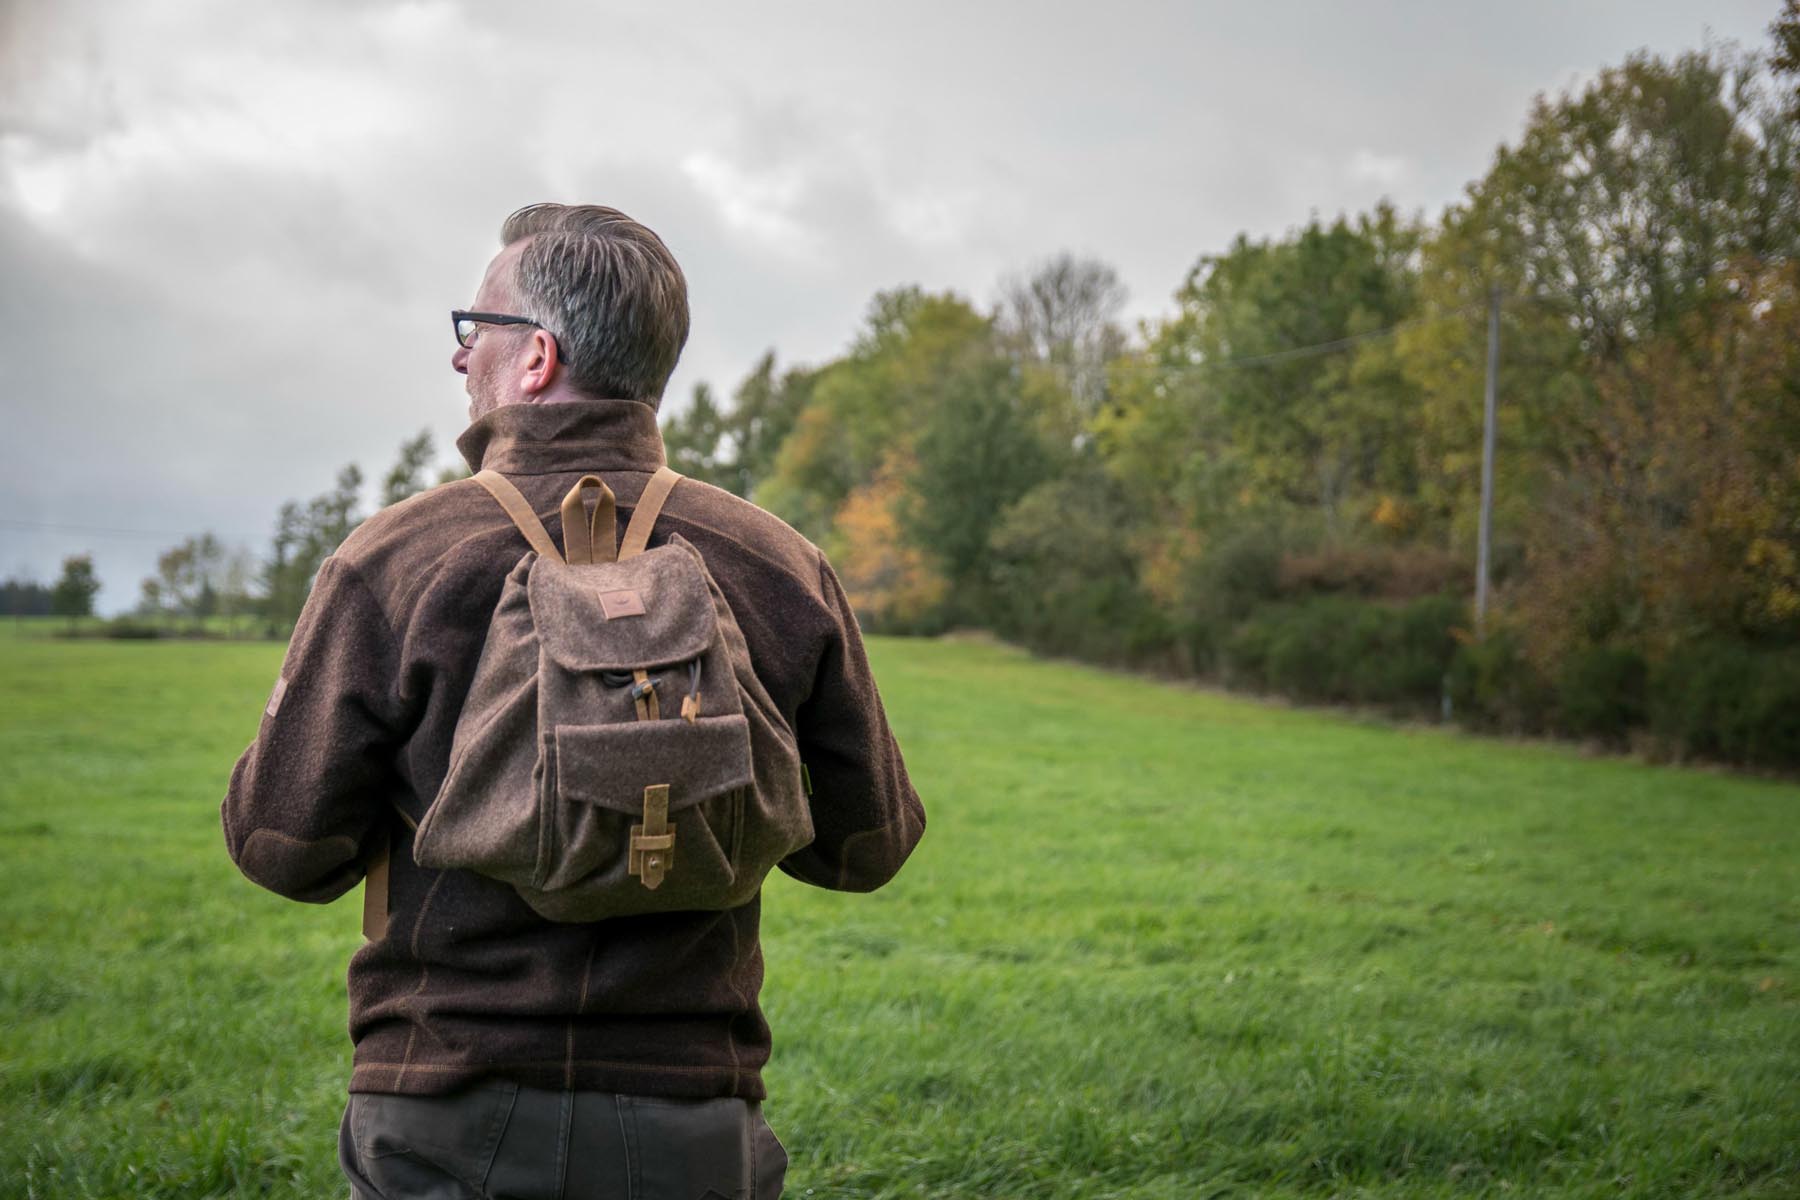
(200, 578)
(71, 596)
(1278, 484)
(204, 586)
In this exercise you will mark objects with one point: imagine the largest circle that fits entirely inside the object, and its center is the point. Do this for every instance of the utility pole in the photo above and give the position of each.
(1487, 463)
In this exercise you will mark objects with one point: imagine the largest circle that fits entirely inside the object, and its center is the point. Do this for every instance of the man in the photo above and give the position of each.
(497, 1052)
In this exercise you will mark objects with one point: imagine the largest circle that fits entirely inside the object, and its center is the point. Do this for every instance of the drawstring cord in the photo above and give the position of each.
(690, 704)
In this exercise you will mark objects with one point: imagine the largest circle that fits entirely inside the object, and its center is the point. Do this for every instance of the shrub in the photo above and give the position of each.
(133, 629)
(1416, 650)
(1492, 685)
(1301, 653)
(1065, 579)
(1730, 701)
(1378, 572)
(1238, 573)
(1601, 692)
(1336, 648)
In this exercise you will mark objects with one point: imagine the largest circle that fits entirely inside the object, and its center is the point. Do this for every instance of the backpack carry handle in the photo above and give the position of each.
(590, 539)
(601, 528)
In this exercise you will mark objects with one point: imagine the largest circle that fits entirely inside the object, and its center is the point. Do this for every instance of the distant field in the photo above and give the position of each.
(1157, 943)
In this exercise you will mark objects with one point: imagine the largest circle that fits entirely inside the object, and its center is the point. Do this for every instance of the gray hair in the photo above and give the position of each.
(608, 290)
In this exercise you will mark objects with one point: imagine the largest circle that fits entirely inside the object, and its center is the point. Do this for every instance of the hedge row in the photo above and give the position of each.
(1338, 649)
(1715, 700)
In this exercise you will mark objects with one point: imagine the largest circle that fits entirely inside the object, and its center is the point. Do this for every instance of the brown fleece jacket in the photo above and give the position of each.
(468, 982)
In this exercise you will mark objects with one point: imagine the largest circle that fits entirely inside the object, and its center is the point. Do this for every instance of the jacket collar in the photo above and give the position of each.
(546, 439)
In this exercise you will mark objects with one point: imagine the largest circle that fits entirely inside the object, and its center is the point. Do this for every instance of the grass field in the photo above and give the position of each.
(1157, 943)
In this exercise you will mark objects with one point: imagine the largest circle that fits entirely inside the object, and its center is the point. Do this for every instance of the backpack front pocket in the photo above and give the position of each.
(673, 784)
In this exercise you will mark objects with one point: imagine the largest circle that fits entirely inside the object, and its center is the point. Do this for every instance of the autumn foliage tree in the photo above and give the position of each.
(890, 581)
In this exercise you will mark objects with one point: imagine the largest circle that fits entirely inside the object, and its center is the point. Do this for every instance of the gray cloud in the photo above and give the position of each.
(229, 233)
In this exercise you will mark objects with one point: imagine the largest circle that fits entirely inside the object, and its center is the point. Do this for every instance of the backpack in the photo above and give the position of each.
(616, 753)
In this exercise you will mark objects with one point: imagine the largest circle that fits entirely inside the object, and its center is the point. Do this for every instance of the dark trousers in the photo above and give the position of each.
(506, 1142)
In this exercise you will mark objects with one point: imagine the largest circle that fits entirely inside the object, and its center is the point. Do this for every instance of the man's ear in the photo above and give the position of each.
(540, 365)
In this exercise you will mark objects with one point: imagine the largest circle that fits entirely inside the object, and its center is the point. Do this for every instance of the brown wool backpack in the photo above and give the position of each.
(616, 753)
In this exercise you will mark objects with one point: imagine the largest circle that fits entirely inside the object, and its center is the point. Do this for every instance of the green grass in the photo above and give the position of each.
(1158, 943)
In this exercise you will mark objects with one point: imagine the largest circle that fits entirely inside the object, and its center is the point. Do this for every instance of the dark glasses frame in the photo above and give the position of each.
(458, 316)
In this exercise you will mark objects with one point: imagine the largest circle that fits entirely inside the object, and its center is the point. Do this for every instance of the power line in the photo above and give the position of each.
(1296, 352)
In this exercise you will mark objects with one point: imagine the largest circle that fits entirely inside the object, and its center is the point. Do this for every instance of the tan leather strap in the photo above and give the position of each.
(519, 509)
(375, 891)
(375, 880)
(649, 708)
(590, 539)
(637, 536)
(649, 507)
(652, 850)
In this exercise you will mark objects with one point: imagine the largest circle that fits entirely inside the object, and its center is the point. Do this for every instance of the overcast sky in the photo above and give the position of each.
(230, 232)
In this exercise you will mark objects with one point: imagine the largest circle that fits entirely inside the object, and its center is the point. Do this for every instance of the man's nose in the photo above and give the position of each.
(459, 362)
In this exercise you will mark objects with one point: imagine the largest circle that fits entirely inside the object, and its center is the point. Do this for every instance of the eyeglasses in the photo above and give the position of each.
(464, 324)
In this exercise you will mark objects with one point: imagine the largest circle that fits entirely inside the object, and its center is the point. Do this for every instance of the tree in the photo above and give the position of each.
(873, 402)
(22, 597)
(814, 473)
(1544, 384)
(977, 454)
(284, 586)
(1786, 57)
(735, 447)
(764, 411)
(198, 578)
(696, 443)
(1066, 574)
(73, 595)
(1674, 520)
(1618, 221)
(891, 584)
(407, 476)
(236, 575)
(1063, 305)
(178, 572)
(304, 537)
(1622, 207)
(1062, 317)
(1272, 386)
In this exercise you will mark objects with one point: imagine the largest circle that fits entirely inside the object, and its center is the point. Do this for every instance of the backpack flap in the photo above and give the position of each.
(650, 610)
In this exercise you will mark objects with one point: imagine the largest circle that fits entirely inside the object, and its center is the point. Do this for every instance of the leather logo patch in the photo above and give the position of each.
(623, 603)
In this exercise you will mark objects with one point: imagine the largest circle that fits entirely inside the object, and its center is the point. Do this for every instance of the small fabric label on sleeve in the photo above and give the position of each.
(276, 695)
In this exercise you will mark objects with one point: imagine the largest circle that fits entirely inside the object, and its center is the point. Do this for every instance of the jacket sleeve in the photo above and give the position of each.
(866, 816)
(307, 792)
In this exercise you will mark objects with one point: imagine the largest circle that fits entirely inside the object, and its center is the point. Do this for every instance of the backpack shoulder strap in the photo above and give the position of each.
(649, 507)
(519, 509)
